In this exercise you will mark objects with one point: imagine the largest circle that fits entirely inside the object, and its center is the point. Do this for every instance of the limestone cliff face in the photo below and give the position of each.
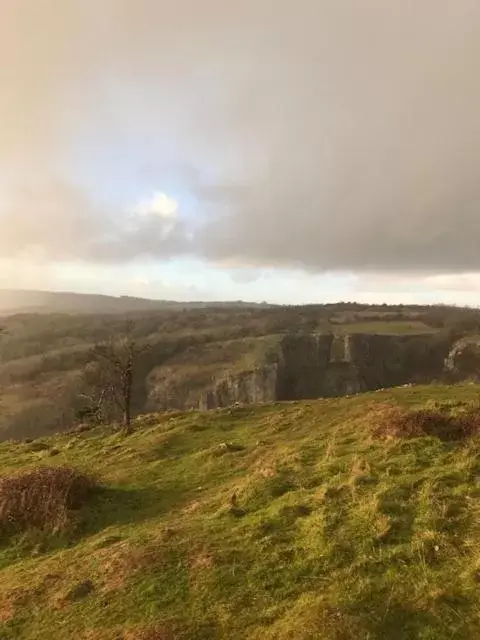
(463, 360)
(302, 364)
(247, 387)
(322, 365)
(344, 365)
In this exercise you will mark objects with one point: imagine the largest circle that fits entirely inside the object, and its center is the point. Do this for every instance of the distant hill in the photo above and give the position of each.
(24, 301)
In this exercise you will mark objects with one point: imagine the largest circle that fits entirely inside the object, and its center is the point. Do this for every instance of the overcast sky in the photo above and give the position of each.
(291, 151)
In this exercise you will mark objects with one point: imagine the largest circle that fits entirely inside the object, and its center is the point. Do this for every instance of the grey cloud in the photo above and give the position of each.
(59, 222)
(318, 134)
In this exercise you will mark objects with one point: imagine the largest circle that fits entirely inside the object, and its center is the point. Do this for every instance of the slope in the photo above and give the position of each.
(282, 521)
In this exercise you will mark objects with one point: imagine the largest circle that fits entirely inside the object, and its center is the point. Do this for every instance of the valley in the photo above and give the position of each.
(219, 356)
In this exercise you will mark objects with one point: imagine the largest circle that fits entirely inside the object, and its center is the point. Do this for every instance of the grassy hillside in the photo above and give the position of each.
(293, 521)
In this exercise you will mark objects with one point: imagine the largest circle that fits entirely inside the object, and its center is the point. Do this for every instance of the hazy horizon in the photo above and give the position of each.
(22, 299)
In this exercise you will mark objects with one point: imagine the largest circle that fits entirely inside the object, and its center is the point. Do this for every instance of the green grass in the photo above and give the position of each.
(393, 327)
(332, 535)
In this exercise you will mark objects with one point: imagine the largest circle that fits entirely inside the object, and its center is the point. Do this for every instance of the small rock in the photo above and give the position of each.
(227, 447)
(222, 448)
(54, 452)
(81, 590)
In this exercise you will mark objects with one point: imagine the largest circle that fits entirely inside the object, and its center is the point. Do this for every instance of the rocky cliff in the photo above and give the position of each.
(248, 387)
(344, 365)
(318, 365)
(463, 360)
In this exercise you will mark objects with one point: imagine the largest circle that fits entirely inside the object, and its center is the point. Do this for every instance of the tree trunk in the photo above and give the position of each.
(127, 420)
(127, 399)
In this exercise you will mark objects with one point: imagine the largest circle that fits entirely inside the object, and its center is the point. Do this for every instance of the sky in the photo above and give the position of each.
(293, 151)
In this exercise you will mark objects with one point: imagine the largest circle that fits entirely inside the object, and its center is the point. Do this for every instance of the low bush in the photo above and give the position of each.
(392, 421)
(42, 499)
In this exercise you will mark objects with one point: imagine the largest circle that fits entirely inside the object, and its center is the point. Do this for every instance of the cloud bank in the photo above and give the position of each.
(318, 134)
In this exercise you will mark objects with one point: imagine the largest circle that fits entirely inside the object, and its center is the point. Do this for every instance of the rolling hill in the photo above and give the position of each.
(25, 301)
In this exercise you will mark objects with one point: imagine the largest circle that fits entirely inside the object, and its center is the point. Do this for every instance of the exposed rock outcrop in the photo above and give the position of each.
(463, 360)
(344, 365)
(247, 387)
(319, 365)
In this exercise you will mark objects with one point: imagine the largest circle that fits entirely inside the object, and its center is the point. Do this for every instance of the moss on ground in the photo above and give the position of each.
(274, 522)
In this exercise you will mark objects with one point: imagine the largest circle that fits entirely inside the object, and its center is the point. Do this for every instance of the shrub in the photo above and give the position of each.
(42, 499)
(392, 421)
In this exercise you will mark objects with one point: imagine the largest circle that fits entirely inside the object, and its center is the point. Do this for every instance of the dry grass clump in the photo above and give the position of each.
(42, 499)
(392, 421)
(121, 561)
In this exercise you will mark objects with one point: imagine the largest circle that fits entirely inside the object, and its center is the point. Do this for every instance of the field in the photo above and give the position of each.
(286, 521)
(395, 327)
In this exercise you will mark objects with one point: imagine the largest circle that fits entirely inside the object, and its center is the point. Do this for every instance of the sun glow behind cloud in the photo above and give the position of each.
(158, 204)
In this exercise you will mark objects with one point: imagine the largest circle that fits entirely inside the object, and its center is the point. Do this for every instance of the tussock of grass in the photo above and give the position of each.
(42, 499)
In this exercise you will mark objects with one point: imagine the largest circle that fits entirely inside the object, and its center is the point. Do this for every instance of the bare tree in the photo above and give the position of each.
(114, 368)
(95, 403)
(3, 333)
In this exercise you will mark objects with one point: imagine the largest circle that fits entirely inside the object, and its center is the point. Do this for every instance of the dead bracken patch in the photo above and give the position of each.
(14, 600)
(392, 421)
(11, 602)
(267, 472)
(201, 561)
(192, 507)
(266, 467)
(120, 562)
(42, 499)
